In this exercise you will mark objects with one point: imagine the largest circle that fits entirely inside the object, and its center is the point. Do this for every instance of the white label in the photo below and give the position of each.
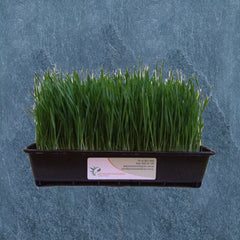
(122, 168)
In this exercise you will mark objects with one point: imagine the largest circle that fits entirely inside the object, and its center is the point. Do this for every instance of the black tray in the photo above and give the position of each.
(69, 167)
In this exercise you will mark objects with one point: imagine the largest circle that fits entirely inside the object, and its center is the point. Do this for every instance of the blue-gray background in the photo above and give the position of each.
(195, 35)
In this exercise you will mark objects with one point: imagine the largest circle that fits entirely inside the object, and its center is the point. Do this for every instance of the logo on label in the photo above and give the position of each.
(95, 170)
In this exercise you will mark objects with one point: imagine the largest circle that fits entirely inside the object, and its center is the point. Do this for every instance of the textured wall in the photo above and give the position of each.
(199, 36)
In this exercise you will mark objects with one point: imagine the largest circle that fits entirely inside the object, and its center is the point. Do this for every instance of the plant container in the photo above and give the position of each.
(118, 168)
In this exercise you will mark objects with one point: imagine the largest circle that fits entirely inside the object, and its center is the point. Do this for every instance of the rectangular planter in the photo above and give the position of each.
(118, 168)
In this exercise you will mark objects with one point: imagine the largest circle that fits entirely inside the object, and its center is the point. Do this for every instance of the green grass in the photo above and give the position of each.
(134, 110)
